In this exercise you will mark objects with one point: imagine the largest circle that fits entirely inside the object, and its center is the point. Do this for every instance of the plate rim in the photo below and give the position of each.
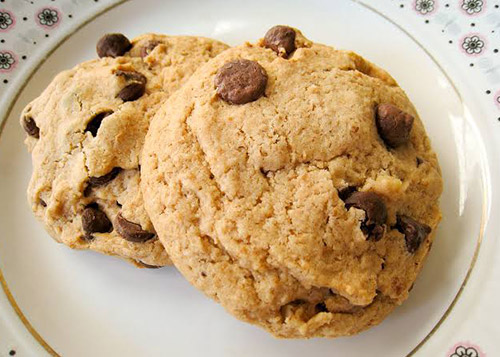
(116, 3)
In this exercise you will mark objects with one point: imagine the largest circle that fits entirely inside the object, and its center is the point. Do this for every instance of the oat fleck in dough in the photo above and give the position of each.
(86, 133)
(285, 209)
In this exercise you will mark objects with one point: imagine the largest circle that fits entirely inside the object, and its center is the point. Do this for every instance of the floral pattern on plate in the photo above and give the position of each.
(473, 44)
(48, 17)
(7, 20)
(472, 7)
(7, 61)
(425, 6)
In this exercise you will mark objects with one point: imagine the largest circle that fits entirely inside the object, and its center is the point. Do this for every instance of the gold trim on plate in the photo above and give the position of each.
(484, 208)
(52, 352)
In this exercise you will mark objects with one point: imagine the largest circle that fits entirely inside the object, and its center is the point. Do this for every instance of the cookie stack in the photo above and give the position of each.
(291, 182)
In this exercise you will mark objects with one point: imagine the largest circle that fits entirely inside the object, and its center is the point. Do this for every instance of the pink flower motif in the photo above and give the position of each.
(464, 349)
(7, 20)
(472, 7)
(48, 17)
(7, 61)
(425, 7)
(473, 44)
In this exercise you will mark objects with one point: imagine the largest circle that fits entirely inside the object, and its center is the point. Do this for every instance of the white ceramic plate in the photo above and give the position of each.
(85, 304)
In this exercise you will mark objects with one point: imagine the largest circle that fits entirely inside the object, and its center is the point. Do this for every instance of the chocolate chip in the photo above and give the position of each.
(371, 203)
(42, 202)
(87, 191)
(419, 161)
(241, 81)
(414, 231)
(112, 45)
(132, 232)
(148, 266)
(377, 232)
(345, 192)
(281, 39)
(94, 123)
(375, 212)
(393, 125)
(101, 180)
(30, 127)
(132, 76)
(132, 92)
(321, 307)
(95, 221)
(148, 48)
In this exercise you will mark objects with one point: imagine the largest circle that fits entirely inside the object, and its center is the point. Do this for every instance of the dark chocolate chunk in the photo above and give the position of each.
(148, 266)
(95, 221)
(281, 39)
(241, 81)
(132, 76)
(95, 123)
(375, 213)
(371, 203)
(132, 91)
(132, 232)
(414, 231)
(101, 180)
(113, 45)
(345, 192)
(30, 127)
(376, 232)
(321, 307)
(394, 125)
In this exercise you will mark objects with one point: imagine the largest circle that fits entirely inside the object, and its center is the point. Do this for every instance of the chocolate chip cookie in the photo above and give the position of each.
(86, 133)
(295, 184)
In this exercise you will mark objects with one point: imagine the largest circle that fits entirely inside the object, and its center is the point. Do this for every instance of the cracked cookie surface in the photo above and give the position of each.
(288, 207)
(86, 132)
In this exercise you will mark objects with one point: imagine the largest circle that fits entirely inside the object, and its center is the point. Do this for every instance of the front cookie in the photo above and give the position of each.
(86, 133)
(295, 184)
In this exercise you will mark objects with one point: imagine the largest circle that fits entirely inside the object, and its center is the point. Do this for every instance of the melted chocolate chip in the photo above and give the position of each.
(30, 127)
(414, 231)
(345, 192)
(375, 212)
(95, 221)
(132, 92)
(95, 123)
(371, 203)
(376, 232)
(132, 76)
(112, 45)
(241, 81)
(148, 266)
(321, 307)
(281, 39)
(394, 125)
(148, 48)
(132, 232)
(101, 180)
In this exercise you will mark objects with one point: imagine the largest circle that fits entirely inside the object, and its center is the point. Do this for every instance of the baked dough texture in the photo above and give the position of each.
(85, 134)
(249, 199)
